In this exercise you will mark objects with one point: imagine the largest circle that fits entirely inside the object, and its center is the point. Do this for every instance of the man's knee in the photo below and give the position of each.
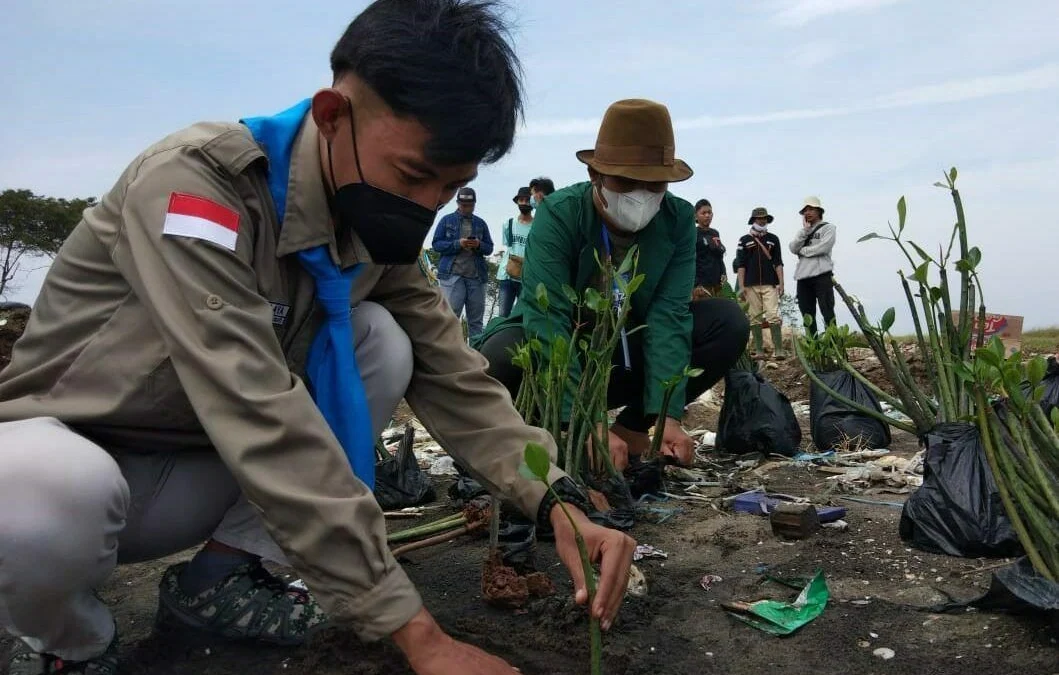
(384, 351)
(64, 502)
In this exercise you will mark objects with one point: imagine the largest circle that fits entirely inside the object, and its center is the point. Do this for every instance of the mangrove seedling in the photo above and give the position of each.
(535, 466)
(668, 387)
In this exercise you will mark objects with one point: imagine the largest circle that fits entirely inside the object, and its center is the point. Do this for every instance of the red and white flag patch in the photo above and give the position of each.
(200, 218)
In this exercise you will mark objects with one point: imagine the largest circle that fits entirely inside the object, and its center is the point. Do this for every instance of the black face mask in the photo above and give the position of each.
(392, 227)
(525, 209)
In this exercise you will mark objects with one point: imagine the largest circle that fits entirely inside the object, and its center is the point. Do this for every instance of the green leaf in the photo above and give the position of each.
(542, 296)
(1035, 370)
(888, 318)
(987, 356)
(997, 347)
(1055, 418)
(920, 274)
(594, 300)
(962, 371)
(870, 236)
(941, 185)
(807, 320)
(974, 255)
(936, 294)
(964, 266)
(952, 175)
(902, 211)
(628, 261)
(570, 294)
(922, 254)
(692, 373)
(636, 282)
(537, 461)
(526, 472)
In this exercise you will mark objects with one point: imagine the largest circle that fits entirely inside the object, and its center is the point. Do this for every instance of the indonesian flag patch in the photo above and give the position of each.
(200, 218)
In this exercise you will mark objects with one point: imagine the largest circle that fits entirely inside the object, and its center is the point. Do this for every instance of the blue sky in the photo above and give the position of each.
(858, 101)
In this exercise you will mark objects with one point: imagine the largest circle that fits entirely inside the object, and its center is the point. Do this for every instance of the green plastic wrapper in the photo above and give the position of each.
(783, 618)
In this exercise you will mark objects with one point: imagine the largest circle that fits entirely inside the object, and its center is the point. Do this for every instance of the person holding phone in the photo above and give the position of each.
(463, 241)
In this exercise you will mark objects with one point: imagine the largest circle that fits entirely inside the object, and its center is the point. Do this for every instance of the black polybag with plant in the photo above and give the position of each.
(979, 386)
(833, 423)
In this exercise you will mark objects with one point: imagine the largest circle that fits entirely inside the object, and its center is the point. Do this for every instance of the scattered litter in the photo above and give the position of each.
(801, 408)
(648, 551)
(298, 584)
(839, 525)
(708, 580)
(637, 582)
(874, 636)
(443, 466)
(860, 603)
(884, 653)
(873, 502)
(783, 618)
(760, 503)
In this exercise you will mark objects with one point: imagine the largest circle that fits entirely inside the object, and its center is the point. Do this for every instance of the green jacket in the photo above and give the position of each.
(561, 250)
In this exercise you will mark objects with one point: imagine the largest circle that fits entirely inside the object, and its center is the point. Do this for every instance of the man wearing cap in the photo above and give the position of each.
(463, 241)
(513, 236)
(813, 246)
(759, 263)
(626, 202)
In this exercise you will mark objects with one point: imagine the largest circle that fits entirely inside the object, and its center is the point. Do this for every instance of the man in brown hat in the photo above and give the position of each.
(759, 264)
(626, 202)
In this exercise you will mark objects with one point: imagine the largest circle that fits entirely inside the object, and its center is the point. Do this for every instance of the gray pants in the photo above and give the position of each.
(70, 510)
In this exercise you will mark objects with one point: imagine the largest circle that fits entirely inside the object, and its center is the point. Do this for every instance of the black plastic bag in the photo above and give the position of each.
(465, 489)
(1017, 589)
(399, 482)
(1050, 399)
(958, 510)
(834, 424)
(645, 478)
(756, 417)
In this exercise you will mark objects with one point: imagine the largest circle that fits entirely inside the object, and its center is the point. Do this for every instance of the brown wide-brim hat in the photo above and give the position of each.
(760, 212)
(635, 141)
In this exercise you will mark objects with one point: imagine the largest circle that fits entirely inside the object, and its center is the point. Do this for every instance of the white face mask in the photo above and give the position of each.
(631, 211)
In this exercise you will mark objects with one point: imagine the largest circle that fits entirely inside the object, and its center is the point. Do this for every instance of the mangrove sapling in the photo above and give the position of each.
(943, 327)
(568, 379)
(668, 387)
(1022, 448)
(535, 466)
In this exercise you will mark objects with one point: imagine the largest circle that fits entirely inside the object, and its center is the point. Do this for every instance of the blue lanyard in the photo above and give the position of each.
(617, 295)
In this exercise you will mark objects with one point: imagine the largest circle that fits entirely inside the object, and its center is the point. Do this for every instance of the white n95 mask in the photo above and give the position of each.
(631, 211)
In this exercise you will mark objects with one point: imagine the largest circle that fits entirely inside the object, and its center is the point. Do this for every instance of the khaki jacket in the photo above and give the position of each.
(145, 342)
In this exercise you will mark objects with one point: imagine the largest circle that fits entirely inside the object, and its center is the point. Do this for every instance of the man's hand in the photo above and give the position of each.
(610, 548)
(469, 244)
(619, 449)
(780, 288)
(677, 444)
(431, 652)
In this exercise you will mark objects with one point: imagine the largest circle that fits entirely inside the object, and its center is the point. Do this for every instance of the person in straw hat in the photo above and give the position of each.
(759, 264)
(813, 247)
(626, 202)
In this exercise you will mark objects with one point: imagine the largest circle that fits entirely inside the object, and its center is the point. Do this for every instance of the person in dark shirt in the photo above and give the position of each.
(759, 261)
(710, 273)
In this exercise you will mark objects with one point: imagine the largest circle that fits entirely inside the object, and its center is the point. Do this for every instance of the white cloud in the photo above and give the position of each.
(953, 91)
(800, 12)
(1036, 79)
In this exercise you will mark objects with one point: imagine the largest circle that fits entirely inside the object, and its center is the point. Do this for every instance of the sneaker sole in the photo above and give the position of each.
(172, 624)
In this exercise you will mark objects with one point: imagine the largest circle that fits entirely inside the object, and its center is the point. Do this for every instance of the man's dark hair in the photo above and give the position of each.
(545, 185)
(701, 203)
(445, 63)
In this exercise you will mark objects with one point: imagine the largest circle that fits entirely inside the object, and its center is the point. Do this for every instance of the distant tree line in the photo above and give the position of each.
(33, 225)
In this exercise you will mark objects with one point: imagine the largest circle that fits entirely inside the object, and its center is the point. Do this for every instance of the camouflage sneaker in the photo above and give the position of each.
(250, 604)
(24, 661)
